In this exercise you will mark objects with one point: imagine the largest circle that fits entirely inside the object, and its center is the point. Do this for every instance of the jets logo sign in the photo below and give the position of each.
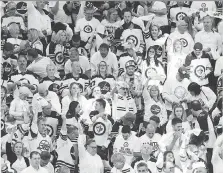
(105, 87)
(155, 109)
(44, 145)
(2, 125)
(88, 29)
(150, 72)
(59, 58)
(180, 92)
(184, 42)
(180, 16)
(199, 71)
(50, 130)
(99, 128)
(132, 39)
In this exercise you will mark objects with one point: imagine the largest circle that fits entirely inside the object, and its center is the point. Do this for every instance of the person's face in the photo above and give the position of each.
(42, 127)
(76, 68)
(130, 70)
(78, 108)
(169, 168)
(179, 112)
(47, 109)
(44, 162)
(190, 118)
(22, 96)
(197, 52)
(97, 91)
(103, 52)
(102, 67)
(170, 157)
(92, 148)
(89, 14)
(150, 132)
(76, 43)
(22, 62)
(178, 46)
(7, 69)
(114, 16)
(201, 170)
(127, 17)
(183, 26)
(177, 127)
(11, 9)
(125, 136)
(154, 31)
(74, 55)
(207, 23)
(40, 4)
(97, 106)
(75, 89)
(154, 92)
(119, 165)
(18, 149)
(63, 36)
(50, 71)
(35, 160)
(123, 91)
(43, 93)
(152, 53)
(142, 169)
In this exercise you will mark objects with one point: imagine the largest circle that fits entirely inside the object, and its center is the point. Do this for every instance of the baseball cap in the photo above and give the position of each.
(59, 26)
(76, 38)
(130, 63)
(128, 118)
(45, 155)
(198, 46)
(196, 105)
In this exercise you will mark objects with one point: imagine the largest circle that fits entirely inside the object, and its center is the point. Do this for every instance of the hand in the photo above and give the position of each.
(208, 49)
(177, 135)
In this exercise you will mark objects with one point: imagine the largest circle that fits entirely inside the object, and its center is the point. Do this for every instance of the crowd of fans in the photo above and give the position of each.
(111, 86)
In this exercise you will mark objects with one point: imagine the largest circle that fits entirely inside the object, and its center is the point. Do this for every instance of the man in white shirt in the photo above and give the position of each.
(34, 164)
(45, 161)
(84, 63)
(104, 54)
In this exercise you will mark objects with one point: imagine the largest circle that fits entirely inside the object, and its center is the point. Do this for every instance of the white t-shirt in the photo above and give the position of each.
(203, 6)
(178, 13)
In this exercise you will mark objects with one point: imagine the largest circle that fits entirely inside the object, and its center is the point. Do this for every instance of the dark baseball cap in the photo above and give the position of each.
(198, 46)
(76, 38)
(196, 105)
(8, 47)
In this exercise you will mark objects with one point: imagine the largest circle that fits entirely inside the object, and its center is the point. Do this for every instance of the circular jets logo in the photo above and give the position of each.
(2, 124)
(88, 29)
(21, 7)
(184, 42)
(199, 71)
(44, 145)
(49, 130)
(180, 16)
(99, 128)
(203, 5)
(105, 87)
(150, 72)
(133, 39)
(180, 92)
(59, 58)
(126, 144)
(155, 109)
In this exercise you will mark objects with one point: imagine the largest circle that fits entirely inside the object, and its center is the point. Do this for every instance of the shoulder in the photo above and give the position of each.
(84, 76)
(68, 76)
(136, 26)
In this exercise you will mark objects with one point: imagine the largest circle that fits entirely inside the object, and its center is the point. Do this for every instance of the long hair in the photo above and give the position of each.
(72, 110)
(189, 23)
(18, 142)
(110, 11)
(70, 94)
(159, 96)
(56, 37)
(165, 154)
(150, 29)
(155, 57)
(98, 70)
(183, 116)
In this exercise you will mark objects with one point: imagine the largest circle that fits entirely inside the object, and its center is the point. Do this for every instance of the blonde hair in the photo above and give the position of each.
(156, 87)
(174, 44)
(56, 37)
(69, 94)
(34, 34)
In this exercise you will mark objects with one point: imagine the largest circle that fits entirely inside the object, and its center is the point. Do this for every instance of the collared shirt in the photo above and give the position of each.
(30, 169)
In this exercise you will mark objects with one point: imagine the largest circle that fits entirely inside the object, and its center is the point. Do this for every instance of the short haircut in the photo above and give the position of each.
(142, 164)
(176, 121)
(41, 118)
(22, 55)
(155, 118)
(104, 45)
(45, 155)
(33, 53)
(193, 86)
(34, 153)
(126, 129)
(117, 157)
(102, 102)
(71, 129)
(126, 10)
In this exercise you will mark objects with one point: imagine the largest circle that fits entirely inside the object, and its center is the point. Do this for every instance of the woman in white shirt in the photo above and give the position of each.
(154, 104)
(175, 59)
(73, 95)
(152, 68)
